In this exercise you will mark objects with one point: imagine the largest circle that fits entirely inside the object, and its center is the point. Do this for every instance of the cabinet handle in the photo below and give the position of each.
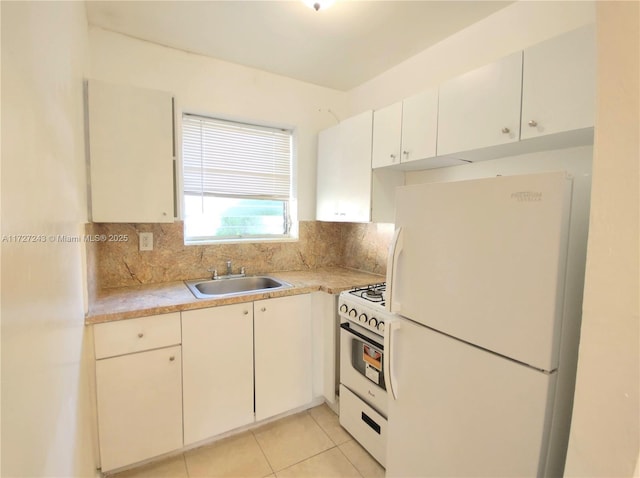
(263, 309)
(172, 358)
(245, 312)
(406, 154)
(393, 158)
(505, 130)
(533, 123)
(140, 335)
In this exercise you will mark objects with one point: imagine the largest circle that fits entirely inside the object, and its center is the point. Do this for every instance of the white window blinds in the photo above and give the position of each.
(228, 159)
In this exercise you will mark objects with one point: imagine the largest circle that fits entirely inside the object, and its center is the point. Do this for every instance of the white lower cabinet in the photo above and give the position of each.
(217, 370)
(138, 388)
(139, 406)
(201, 372)
(283, 354)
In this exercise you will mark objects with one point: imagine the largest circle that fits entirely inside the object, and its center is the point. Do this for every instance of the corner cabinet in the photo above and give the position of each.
(283, 354)
(139, 389)
(217, 370)
(348, 190)
(344, 171)
(131, 153)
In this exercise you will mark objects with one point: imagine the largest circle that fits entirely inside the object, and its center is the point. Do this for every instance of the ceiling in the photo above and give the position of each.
(340, 47)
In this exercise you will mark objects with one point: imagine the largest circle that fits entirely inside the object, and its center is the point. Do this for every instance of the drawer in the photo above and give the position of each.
(134, 335)
(366, 425)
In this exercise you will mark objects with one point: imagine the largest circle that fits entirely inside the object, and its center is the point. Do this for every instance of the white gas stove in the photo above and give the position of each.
(363, 394)
(365, 307)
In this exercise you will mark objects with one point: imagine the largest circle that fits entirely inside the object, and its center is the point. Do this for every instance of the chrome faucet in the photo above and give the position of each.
(229, 274)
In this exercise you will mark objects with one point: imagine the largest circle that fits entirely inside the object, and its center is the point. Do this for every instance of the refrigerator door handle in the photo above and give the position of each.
(392, 326)
(395, 250)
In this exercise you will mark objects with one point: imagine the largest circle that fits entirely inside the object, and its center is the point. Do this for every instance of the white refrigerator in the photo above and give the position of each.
(481, 361)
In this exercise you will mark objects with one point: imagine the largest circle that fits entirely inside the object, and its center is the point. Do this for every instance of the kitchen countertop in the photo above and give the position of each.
(152, 299)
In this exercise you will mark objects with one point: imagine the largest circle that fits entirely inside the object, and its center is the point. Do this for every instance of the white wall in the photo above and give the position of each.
(521, 24)
(46, 410)
(210, 86)
(606, 421)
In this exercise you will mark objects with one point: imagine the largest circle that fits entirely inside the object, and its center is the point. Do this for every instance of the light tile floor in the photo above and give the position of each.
(309, 444)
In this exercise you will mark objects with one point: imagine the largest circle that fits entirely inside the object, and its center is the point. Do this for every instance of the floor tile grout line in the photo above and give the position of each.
(306, 412)
(321, 427)
(305, 459)
(186, 465)
(253, 433)
(337, 445)
(352, 463)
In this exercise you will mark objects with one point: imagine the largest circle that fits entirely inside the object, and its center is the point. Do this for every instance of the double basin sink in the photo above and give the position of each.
(220, 288)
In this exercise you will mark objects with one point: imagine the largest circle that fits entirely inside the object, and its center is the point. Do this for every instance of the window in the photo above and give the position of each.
(237, 180)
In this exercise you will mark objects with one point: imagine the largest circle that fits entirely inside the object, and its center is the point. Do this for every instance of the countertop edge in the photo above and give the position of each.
(135, 302)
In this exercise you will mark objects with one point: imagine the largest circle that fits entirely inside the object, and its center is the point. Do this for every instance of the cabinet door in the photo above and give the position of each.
(355, 142)
(387, 126)
(131, 153)
(344, 171)
(558, 85)
(283, 354)
(329, 180)
(139, 398)
(481, 108)
(217, 370)
(419, 126)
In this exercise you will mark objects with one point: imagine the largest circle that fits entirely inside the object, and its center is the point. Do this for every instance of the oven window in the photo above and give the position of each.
(368, 361)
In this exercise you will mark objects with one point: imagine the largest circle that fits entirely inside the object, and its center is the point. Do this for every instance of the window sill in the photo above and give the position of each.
(212, 242)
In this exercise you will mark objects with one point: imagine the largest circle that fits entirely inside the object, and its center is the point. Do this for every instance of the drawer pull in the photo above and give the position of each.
(172, 358)
(369, 421)
(140, 335)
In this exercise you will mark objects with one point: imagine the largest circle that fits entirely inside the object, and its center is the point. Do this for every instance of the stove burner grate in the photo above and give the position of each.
(372, 293)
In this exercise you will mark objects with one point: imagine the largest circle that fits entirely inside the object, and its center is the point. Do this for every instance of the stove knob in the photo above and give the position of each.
(344, 308)
(353, 313)
(373, 322)
(380, 326)
(363, 318)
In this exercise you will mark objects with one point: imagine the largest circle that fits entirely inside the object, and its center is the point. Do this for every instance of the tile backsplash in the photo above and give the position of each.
(117, 261)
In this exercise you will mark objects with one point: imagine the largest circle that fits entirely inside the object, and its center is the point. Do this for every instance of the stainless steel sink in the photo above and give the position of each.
(210, 289)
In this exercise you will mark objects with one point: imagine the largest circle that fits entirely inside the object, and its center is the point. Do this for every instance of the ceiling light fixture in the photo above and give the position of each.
(319, 4)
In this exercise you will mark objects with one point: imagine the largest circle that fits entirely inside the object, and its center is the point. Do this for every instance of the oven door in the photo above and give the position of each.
(361, 365)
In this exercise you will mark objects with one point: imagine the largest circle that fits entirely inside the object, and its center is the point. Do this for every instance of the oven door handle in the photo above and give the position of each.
(392, 327)
(347, 327)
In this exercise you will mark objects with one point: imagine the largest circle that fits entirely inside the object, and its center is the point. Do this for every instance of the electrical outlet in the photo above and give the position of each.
(146, 241)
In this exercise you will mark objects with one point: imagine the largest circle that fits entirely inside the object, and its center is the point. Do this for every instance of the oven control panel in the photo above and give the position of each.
(369, 317)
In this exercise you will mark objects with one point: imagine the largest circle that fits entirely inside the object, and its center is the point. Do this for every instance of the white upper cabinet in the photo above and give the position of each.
(387, 135)
(131, 152)
(481, 108)
(344, 171)
(419, 126)
(559, 84)
(406, 131)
